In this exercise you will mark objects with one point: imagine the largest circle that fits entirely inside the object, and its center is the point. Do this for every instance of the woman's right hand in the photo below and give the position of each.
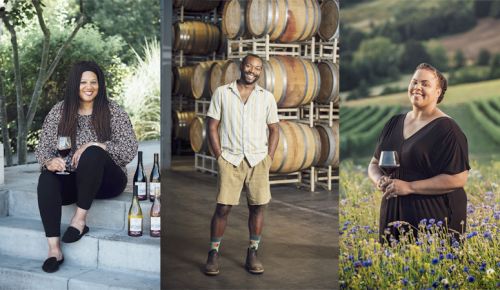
(55, 164)
(382, 182)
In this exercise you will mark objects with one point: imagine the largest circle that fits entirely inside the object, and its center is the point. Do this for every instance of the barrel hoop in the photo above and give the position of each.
(331, 153)
(285, 149)
(306, 149)
(286, 23)
(285, 82)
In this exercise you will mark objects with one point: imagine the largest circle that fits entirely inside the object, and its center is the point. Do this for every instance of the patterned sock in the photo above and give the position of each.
(215, 243)
(254, 242)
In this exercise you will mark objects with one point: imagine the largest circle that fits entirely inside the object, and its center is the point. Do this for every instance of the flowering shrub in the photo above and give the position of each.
(434, 257)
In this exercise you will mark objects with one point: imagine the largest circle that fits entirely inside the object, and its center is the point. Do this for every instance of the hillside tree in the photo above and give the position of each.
(14, 14)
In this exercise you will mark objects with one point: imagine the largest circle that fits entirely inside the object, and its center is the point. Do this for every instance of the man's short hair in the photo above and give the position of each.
(244, 60)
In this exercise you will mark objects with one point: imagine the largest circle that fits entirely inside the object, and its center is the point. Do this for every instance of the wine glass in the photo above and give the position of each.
(389, 162)
(63, 147)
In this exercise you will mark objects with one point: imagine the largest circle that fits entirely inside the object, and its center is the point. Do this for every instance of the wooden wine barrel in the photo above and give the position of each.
(200, 80)
(198, 136)
(230, 72)
(223, 73)
(298, 147)
(197, 5)
(329, 140)
(292, 80)
(196, 37)
(284, 20)
(181, 121)
(182, 80)
(233, 19)
(329, 25)
(329, 88)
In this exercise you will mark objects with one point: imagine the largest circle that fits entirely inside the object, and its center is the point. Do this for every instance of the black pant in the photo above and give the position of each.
(97, 176)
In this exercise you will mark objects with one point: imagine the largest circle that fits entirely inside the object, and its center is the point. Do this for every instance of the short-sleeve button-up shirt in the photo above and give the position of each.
(243, 127)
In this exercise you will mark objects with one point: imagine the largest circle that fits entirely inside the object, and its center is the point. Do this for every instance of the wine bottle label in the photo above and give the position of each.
(135, 225)
(141, 188)
(155, 223)
(154, 188)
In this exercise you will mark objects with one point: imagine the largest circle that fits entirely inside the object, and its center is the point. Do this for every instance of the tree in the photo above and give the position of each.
(413, 54)
(438, 55)
(16, 16)
(482, 8)
(134, 20)
(484, 57)
(377, 58)
(495, 67)
(3, 122)
(459, 59)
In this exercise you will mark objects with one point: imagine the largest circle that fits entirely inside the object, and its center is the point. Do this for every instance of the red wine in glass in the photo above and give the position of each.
(63, 147)
(388, 162)
(64, 152)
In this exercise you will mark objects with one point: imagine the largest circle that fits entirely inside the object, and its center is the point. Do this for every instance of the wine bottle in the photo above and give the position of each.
(135, 216)
(154, 180)
(155, 230)
(140, 179)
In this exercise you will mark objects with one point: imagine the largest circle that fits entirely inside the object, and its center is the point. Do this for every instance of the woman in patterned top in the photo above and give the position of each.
(103, 143)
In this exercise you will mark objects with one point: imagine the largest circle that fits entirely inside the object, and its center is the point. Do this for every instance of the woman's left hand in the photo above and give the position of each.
(79, 152)
(397, 187)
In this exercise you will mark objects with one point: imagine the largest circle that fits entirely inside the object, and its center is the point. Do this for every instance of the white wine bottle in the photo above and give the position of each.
(155, 230)
(140, 179)
(154, 180)
(135, 216)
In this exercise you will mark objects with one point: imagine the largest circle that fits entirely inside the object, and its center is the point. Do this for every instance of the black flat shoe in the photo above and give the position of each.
(51, 265)
(72, 234)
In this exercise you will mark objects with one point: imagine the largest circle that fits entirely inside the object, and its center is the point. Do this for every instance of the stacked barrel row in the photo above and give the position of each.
(294, 81)
(196, 36)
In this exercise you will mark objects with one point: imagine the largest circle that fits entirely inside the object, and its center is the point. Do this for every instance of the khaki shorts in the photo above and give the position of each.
(232, 178)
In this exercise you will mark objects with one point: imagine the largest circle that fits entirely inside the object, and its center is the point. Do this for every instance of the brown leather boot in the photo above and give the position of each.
(253, 264)
(212, 266)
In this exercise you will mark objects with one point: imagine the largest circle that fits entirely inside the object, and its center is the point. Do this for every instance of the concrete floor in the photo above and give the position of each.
(299, 247)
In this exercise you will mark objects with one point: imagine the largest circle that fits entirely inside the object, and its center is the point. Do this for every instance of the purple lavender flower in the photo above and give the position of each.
(440, 223)
(435, 261)
(471, 279)
(432, 221)
(470, 235)
(450, 256)
(367, 263)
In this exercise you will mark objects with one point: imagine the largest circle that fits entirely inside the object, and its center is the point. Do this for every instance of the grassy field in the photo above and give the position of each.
(454, 95)
(475, 107)
(373, 13)
(430, 260)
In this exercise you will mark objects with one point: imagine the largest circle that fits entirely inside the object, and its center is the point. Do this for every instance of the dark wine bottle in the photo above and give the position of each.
(135, 216)
(154, 180)
(140, 179)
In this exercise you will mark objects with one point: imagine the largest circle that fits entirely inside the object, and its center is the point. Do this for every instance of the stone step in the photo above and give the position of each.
(22, 273)
(104, 213)
(99, 249)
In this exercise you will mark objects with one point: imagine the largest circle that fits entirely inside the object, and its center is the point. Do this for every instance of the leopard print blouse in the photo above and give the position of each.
(122, 147)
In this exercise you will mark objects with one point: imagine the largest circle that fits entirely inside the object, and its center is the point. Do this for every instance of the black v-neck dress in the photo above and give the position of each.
(440, 147)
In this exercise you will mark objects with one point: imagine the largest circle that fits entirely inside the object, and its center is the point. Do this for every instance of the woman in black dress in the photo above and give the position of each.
(433, 157)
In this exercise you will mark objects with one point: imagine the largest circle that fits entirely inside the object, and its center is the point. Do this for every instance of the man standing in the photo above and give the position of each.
(240, 114)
